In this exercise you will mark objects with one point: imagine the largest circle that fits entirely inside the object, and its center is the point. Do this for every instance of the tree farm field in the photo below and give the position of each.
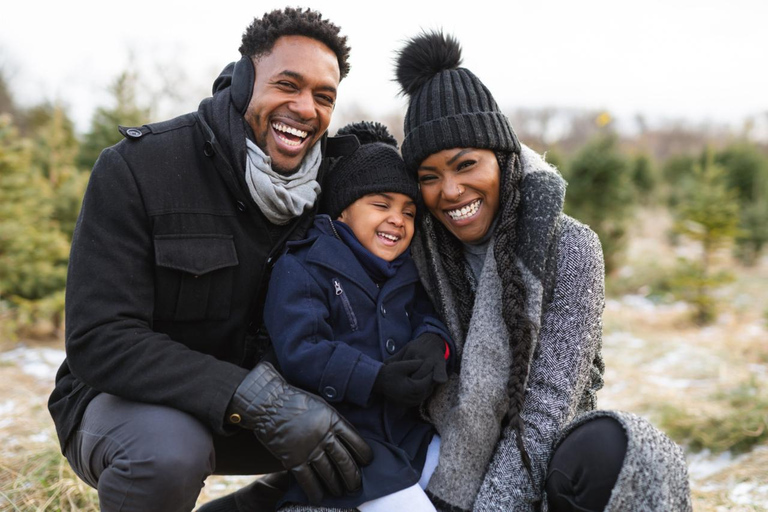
(705, 386)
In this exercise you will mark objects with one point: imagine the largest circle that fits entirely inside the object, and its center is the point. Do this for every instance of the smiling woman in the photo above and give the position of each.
(520, 287)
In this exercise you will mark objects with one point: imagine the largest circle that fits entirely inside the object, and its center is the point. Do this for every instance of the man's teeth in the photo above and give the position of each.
(282, 127)
(389, 237)
(465, 212)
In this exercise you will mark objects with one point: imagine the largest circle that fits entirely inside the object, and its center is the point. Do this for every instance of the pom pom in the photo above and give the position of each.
(368, 133)
(423, 57)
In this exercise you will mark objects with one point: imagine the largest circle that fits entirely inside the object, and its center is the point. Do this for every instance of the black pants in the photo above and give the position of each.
(586, 466)
(144, 458)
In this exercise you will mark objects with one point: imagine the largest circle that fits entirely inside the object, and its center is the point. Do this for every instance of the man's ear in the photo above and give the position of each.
(243, 77)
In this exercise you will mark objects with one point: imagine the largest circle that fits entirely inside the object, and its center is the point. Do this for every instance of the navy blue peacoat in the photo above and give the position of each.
(331, 327)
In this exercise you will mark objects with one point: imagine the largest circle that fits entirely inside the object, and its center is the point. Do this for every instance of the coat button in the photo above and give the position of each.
(391, 346)
(329, 392)
(241, 206)
(208, 149)
(383, 310)
(133, 133)
(235, 418)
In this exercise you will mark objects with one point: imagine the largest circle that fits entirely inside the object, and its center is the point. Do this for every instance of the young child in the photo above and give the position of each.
(350, 321)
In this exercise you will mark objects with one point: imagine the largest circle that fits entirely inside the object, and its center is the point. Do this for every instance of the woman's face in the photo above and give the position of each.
(460, 187)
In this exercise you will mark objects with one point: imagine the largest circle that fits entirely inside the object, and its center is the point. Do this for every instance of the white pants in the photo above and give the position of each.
(412, 499)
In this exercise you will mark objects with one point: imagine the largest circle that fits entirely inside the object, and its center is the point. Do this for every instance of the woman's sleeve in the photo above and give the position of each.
(296, 315)
(566, 372)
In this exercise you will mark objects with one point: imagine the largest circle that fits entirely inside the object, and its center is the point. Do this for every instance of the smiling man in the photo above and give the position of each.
(163, 383)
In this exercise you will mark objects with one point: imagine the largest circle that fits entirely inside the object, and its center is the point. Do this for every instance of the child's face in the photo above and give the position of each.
(383, 223)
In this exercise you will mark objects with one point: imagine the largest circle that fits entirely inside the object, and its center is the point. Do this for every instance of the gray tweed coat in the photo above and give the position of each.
(562, 263)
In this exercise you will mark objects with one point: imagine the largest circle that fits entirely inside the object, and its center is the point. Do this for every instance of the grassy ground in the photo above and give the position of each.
(706, 387)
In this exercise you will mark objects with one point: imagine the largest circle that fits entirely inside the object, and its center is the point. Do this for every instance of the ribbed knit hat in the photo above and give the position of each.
(449, 106)
(372, 168)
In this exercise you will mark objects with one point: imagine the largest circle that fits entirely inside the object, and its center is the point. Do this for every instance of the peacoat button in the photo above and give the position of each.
(208, 149)
(134, 133)
(391, 346)
(383, 310)
(235, 418)
(329, 392)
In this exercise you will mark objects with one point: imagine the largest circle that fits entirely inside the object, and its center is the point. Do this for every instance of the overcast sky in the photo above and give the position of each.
(668, 59)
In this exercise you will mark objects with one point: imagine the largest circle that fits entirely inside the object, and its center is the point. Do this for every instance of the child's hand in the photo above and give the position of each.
(429, 349)
(397, 381)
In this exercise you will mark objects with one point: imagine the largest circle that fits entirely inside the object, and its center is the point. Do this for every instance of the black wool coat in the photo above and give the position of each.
(168, 271)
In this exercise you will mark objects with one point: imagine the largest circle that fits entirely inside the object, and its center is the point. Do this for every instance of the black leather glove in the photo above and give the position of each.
(397, 383)
(429, 348)
(319, 447)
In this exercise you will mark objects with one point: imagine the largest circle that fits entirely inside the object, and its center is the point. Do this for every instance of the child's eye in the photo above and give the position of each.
(381, 205)
(424, 178)
(410, 214)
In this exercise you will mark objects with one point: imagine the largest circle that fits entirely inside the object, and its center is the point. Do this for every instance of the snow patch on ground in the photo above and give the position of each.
(41, 363)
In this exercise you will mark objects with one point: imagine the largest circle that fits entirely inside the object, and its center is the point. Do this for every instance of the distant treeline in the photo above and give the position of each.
(716, 187)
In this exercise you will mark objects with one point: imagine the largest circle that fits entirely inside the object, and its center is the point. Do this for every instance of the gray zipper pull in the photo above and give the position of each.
(337, 287)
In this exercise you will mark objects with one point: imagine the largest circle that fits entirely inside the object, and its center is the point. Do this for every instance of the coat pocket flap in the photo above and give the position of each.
(196, 254)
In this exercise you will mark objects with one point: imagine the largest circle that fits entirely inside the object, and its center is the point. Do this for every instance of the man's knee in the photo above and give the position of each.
(144, 456)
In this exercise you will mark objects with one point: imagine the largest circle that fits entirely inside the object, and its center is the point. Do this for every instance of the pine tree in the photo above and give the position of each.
(600, 194)
(747, 174)
(708, 213)
(33, 250)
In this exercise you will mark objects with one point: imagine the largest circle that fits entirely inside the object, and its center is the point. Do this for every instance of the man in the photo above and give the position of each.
(170, 258)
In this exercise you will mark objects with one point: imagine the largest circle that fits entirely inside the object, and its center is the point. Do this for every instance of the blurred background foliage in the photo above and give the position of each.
(712, 181)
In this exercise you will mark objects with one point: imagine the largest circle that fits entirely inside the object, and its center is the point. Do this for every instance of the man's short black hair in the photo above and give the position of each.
(260, 36)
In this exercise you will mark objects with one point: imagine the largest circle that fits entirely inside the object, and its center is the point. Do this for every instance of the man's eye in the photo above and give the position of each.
(326, 100)
(286, 85)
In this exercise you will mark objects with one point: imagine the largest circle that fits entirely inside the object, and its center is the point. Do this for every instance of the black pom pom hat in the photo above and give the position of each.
(374, 167)
(449, 106)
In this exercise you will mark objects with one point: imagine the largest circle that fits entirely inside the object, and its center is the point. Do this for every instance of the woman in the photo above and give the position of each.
(520, 286)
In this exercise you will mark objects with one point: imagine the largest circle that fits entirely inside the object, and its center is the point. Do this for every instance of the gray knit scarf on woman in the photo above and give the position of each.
(282, 197)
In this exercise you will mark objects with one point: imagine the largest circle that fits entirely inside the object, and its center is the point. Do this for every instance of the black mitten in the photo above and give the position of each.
(396, 382)
(429, 348)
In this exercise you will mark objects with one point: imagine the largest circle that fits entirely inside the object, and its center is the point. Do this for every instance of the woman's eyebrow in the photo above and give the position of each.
(458, 155)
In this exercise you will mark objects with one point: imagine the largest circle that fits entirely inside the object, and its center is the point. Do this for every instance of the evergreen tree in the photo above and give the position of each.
(33, 251)
(126, 111)
(600, 194)
(747, 174)
(708, 213)
(54, 152)
(644, 179)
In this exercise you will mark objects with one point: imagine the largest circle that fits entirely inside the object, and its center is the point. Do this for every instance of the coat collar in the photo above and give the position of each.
(330, 252)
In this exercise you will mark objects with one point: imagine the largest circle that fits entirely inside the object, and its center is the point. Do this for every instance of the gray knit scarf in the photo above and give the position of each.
(468, 410)
(279, 197)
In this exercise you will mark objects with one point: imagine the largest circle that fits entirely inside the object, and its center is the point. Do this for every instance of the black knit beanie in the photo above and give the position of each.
(449, 106)
(372, 168)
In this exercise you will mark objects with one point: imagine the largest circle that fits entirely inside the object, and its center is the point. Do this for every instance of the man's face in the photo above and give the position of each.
(293, 98)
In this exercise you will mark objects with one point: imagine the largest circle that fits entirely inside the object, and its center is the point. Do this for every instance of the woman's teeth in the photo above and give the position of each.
(284, 128)
(465, 212)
